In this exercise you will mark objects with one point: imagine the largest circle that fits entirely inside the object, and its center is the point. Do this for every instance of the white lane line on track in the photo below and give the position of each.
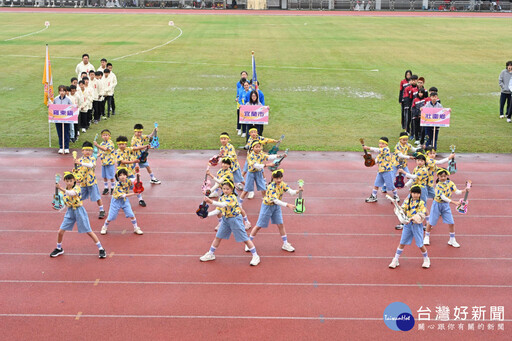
(245, 256)
(267, 284)
(153, 48)
(28, 34)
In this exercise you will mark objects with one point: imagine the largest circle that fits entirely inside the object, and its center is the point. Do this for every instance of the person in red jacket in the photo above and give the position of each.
(417, 103)
(409, 93)
(404, 84)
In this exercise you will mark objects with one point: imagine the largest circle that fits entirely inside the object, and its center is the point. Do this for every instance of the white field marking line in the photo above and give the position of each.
(153, 48)
(29, 34)
(199, 196)
(305, 233)
(190, 63)
(225, 317)
(284, 214)
(296, 284)
(206, 317)
(245, 256)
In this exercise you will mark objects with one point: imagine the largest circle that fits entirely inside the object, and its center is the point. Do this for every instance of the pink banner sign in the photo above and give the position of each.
(254, 114)
(435, 117)
(63, 113)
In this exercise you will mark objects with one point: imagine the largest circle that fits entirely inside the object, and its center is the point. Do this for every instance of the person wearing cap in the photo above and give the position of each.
(385, 175)
(119, 201)
(86, 166)
(414, 209)
(441, 206)
(409, 93)
(75, 213)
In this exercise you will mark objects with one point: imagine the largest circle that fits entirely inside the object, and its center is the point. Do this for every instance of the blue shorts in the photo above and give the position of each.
(119, 204)
(108, 172)
(431, 192)
(251, 177)
(412, 230)
(270, 213)
(246, 166)
(439, 209)
(235, 225)
(237, 176)
(143, 165)
(78, 216)
(92, 192)
(386, 178)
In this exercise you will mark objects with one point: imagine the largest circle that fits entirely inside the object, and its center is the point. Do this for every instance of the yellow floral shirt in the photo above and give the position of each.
(88, 174)
(137, 142)
(74, 201)
(253, 158)
(275, 191)
(446, 189)
(422, 174)
(224, 175)
(232, 209)
(384, 160)
(432, 169)
(230, 151)
(126, 155)
(122, 188)
(262, 139)
(412, 207)
(404, 149)
(107, 157)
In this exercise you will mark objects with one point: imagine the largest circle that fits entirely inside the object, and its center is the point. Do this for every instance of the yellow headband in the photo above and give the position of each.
(224, 135)
(382, 141)
(121, 168)
(252, 129)
(125, 142)
(87, 148)
(68, 173)
(443, 170)
(226, 158)
(227, 181)
(255, 143)
(137, 129)
(416, 186)
(403, 137)
(106, 132)
(278, 170)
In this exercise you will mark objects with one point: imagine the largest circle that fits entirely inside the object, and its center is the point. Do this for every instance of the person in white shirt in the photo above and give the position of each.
(88, 93)
(103, 66)
(114, 84)
(83, 123)
(84, 65)
(107, 82)
(77, 100)
(101, 92)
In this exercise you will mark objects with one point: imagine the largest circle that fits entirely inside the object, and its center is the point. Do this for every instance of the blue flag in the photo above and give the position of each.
(254, 77)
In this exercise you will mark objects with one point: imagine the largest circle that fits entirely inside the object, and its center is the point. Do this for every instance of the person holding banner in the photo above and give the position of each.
(429, 131)
(62, 128)
(243, 98)
(239, 87)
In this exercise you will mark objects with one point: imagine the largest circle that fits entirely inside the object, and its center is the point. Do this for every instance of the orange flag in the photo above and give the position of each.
(47, 79)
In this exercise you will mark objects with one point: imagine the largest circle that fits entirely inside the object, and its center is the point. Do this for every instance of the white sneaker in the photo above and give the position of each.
(502, 116)
(66, 151)
(83, 130)
(250, 195)
(103, 230)
(453, 243)
(288, 247)
(239, 132)
(394, 263)
(61, 151)
(243, 135)
(417, 142)
(138, 231)
(426, 240)
(255, 260)
(426, 263)
(509, 120)
(207, 256)
(247, 225)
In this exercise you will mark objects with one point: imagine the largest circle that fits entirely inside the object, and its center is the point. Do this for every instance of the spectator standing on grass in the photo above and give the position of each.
(243, 99)
(239, 87)
(506, 94)
(261, 98)
(62, 128)
(113, 88)
(84, 65)
(103, 66)
(404, 84)
(429, 131)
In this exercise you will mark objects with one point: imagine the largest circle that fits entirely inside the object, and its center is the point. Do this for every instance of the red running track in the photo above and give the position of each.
(334, 287)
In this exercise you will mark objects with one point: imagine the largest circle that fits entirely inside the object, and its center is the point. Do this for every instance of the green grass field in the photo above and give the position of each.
(316, 73)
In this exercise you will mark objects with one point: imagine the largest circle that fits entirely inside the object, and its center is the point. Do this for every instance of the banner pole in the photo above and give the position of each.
(63, 137)
(434, 144)
(49, 135)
